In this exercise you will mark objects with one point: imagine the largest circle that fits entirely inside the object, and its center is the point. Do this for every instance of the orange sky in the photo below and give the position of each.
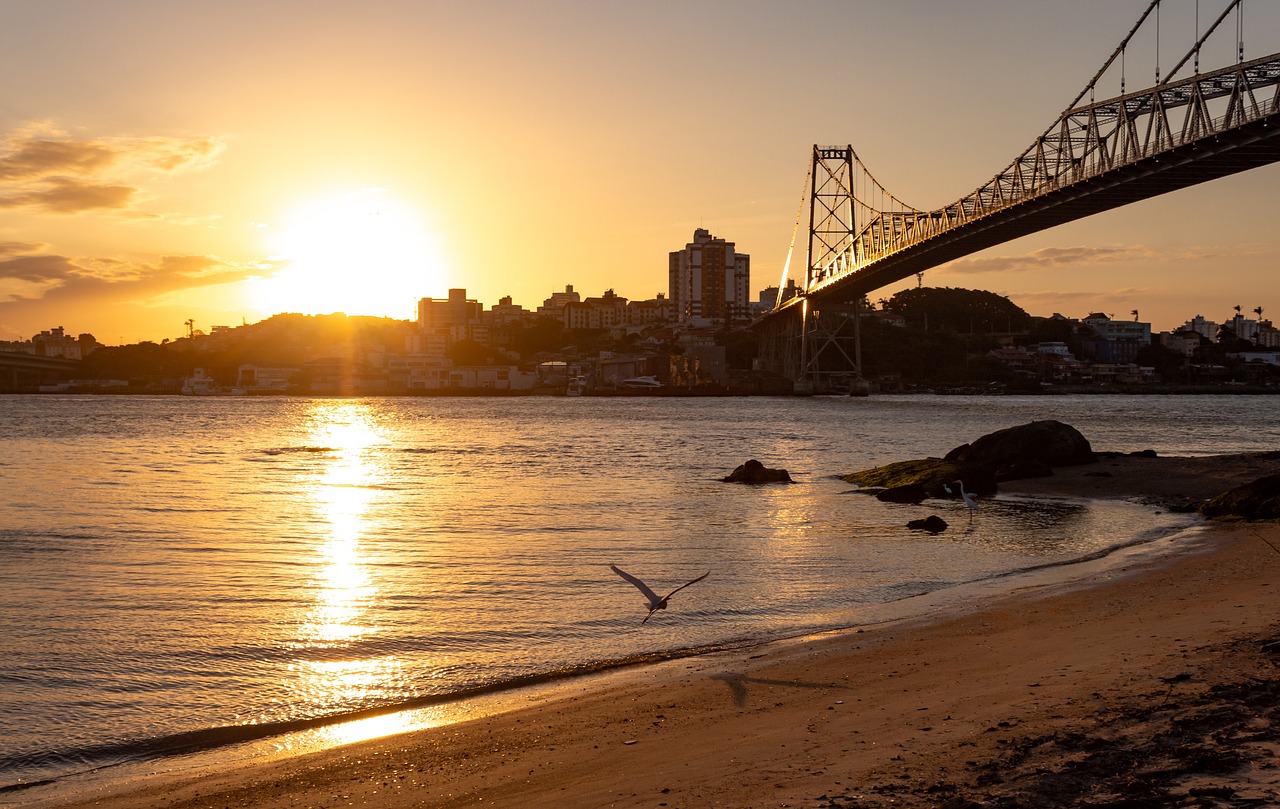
(166, 160)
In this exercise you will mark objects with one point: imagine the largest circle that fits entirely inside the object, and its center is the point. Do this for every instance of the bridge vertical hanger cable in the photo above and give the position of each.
(1239, 32)
(786, 266)
(1195, 50)
(1119, 52)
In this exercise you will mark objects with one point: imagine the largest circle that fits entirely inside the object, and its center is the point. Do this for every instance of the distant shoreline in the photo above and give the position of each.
(677, 393)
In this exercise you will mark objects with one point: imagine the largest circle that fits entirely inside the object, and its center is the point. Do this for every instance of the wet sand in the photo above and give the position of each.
(1149, 680)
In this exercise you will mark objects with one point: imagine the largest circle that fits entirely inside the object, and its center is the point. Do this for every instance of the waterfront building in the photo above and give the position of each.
(446, 376)
(1113, 341)
(709, 281)
(265, 378)
(56, 342)
(445, 321)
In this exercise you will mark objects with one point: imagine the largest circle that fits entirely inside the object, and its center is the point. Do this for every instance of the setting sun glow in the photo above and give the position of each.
(362, 253)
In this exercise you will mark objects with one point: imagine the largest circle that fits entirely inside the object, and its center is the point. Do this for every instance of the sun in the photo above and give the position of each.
(361, 252)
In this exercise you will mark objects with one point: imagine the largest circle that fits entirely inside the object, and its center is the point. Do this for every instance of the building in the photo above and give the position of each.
(504, 313)
(1205, 328)
(1114, 341)
(605, 312)
(709, 282)
(554, 306)
(266, 378)
(56, 342)
(1183, 342)
(649, 313)
(445, 321)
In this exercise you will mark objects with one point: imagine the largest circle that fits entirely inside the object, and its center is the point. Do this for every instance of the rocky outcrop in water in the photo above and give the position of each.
(1026, 451)
(933, 524)
(755, 472)
(1038, 445)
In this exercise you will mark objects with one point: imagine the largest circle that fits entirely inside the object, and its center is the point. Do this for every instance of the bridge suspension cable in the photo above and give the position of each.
(1097, 155)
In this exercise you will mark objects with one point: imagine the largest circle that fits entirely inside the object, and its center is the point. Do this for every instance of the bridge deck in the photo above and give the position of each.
(1246, 147)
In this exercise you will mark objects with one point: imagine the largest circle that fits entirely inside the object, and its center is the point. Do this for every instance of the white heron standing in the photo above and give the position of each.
(655, 602)
(970, 501)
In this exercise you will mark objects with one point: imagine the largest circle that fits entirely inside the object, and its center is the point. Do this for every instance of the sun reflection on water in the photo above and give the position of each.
(341, 494)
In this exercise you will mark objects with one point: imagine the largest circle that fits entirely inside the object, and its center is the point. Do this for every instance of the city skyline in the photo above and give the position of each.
(316, 157)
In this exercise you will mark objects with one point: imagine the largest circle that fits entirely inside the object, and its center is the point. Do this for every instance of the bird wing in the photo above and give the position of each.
(681, 587)
(641, 586)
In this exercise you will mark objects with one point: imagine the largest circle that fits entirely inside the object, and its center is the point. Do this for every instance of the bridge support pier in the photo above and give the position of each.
(820, 351)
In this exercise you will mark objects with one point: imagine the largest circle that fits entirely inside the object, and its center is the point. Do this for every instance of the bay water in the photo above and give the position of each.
(187, 573)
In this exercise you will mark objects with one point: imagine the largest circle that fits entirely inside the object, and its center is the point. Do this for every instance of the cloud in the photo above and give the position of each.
(1050, 257)
(65, 195)
(48, 171)
(173, 155)
(37, 268)
(28, 274)
(34, 158)
(8, 249)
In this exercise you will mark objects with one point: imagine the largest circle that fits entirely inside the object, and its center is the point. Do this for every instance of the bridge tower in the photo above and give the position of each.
(818, 347)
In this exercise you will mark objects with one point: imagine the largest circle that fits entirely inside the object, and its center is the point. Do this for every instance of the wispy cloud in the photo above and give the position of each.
(28, 158)
(34, 275)
(1051, 257)
(1083, 256)
(46, 170)
(66, 195)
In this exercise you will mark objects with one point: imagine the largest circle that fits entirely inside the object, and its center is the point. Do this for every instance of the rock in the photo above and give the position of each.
(1021, 470)
(930, 473)
(755, 472)
(1143, 453)
(1259, 500)
(910, 493)
(933, 524)
(1049, 442)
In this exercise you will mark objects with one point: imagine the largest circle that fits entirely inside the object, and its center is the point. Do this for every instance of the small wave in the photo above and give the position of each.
(290, 450)
(434, 450)
(108, 754)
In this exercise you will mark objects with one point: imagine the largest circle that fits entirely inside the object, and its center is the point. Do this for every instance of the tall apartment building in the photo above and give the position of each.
(709, 281)
(445, 321)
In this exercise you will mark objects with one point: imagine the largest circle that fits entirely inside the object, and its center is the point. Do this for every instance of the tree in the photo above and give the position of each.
(959, 310)
(1169, 364)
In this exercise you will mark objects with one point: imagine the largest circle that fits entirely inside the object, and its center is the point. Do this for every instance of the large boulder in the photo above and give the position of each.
(1259, 500)
(755, 472)
(1047, 443)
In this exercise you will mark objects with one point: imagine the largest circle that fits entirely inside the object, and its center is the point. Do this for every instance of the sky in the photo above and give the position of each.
(166, 161)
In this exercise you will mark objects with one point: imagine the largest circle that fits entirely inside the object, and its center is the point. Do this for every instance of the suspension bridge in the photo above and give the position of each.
(1191, 126)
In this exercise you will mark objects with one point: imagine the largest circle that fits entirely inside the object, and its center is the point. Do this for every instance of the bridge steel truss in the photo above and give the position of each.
(1096, 157)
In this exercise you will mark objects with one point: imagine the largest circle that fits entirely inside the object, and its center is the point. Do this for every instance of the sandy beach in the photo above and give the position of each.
(1147, 680)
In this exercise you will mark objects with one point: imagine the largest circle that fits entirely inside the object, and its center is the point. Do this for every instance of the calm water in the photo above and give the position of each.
(184, 572)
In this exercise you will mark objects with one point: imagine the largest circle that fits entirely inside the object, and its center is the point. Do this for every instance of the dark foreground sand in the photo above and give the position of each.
(1148, 683)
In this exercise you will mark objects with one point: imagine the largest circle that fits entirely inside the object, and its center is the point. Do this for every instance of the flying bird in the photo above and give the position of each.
(967, 497)
(655, 602)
